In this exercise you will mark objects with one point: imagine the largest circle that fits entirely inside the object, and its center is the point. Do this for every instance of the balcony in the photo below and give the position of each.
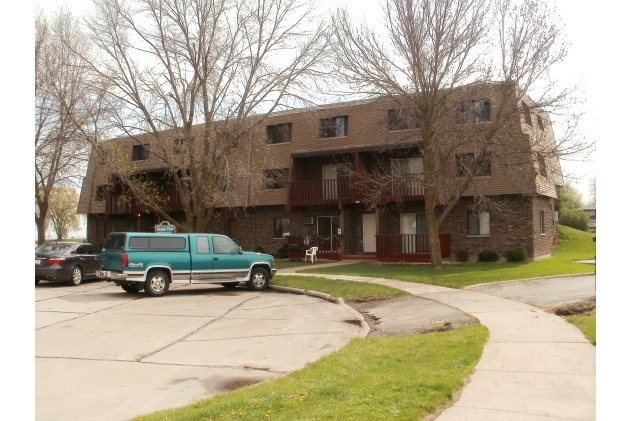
(118, 204)
(409, 247)
(346, 191)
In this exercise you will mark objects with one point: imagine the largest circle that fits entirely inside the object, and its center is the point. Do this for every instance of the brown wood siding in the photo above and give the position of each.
(367, 125)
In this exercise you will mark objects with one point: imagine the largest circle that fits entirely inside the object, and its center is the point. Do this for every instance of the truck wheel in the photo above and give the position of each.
(131, 288)
(259, 280)
(157, 283)
(76, 277)
(229, 285)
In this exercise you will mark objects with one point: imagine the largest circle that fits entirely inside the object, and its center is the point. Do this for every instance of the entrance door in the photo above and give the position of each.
(370, 230)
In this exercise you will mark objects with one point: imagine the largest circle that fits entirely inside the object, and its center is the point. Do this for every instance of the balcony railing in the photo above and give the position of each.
(322, 192)
(329, 247)
(409, 247)
(345, 191)
(118, 204)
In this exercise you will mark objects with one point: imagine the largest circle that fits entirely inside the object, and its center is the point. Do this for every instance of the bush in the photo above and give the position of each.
(259, 249)
(281, 253)
(517, 254)
(487, 256)
(462, 255)
(574, 218)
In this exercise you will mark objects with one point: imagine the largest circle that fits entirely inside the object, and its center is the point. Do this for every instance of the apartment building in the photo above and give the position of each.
(348, 178)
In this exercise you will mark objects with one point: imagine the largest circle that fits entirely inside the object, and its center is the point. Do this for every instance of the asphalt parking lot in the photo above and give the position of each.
(103, 354)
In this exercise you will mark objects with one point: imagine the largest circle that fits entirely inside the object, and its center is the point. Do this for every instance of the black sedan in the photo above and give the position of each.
(71, 262)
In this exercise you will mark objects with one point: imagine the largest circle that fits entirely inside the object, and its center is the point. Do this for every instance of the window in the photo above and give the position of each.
(328, 225)
(101, 193)
(398, 121)
(473, 112)
(203, 247)
(333, 127)
(526, 111)
(542, 226)
(140, 152)
(105, 155)
(540, 123)
(157, 243)
(277, 178)
(279, 133)
(465, 163)
(281, 227)
(223, 245)
(541, 160)
(179, 147)
(478, 224)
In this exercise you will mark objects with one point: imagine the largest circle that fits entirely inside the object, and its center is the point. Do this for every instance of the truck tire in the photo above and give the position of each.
(229, 285)
(157, 283)
(131, 288)
(259, 280)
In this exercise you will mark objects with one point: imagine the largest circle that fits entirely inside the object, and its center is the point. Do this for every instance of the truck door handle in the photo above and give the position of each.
(215, 258)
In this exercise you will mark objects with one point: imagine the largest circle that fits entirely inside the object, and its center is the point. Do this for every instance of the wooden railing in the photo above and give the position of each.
(322, 192)
(118, 204)
(345, 191)
(329, 247)
(409, 247)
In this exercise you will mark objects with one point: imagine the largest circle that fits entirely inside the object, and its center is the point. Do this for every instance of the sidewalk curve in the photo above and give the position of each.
(535, 365)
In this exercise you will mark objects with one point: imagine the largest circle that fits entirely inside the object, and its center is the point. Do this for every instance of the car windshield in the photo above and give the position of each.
(53, 248)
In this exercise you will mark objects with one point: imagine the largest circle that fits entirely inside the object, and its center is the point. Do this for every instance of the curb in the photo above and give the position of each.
(519, 281)
(299, 291)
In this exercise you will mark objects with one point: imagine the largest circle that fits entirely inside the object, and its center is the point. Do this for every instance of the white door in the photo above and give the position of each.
(370, 230)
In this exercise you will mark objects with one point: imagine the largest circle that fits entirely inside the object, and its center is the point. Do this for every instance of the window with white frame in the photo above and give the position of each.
(281, 227)
(478, 223)
(542, 224)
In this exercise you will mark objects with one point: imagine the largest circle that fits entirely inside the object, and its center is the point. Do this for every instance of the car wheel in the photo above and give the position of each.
(157, 283)
(36, 281)
(77, 276)
(229, 284)
(259, 280)
(131, 288)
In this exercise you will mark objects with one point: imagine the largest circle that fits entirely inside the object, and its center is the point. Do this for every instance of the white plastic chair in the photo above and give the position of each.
(311, 252)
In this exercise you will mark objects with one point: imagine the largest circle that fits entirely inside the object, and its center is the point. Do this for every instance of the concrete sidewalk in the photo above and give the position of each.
(535, 366)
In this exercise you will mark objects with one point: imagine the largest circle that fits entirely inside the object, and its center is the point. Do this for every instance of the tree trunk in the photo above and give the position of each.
(432, 229)
(40, 223)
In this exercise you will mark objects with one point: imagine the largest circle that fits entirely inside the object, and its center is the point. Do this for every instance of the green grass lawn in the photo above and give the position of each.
(572, 245)
(404, 378)
(347, 290)
(587, 325)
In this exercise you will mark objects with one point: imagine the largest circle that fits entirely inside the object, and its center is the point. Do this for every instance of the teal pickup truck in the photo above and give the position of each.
(137, 261)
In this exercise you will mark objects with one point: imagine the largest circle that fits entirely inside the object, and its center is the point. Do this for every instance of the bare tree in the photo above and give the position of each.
(193, 80)
(62, 215)
(432, 57)
(60, 109)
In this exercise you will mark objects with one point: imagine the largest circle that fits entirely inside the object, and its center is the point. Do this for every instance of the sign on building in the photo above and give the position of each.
(165, 227)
